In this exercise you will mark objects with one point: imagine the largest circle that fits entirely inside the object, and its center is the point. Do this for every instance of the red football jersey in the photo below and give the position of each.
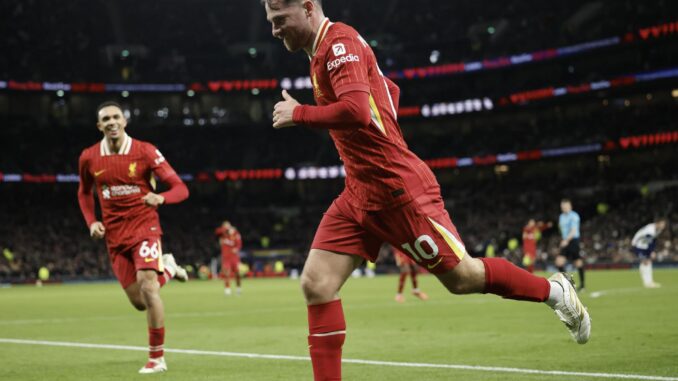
(530, 239)
(121, 181)
(229, 239)
(380, 170)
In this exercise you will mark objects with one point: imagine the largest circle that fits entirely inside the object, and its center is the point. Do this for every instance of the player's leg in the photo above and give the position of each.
(403, 268)
(560, 263)
(235, 270)
(125, 272)
(574, 255)
(645, 268)
(528, 261)
(171, 270)
(150, 268)
(579, 264)
(226, 272)
(432, 240)
(323, 275)
(325, 271)
(155, 315)
(133, 293)
(415, 283)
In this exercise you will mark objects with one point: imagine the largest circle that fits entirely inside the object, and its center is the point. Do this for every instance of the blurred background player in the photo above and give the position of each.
(531, 233)
(643, 244)
(123, 170)
(569, 223)
(407, 266)
(390, 194)
(231, 243)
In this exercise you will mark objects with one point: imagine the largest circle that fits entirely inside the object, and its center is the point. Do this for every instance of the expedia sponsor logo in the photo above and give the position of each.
(339, 49)
(331, 65)
(119, 190)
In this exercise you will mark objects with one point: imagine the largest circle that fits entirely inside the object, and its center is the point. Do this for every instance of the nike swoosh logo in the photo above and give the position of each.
(97, 173)
(149, 260)
(435, 264)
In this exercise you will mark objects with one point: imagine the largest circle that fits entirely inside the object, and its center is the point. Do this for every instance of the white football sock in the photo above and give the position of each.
(645, 273)
(555, 295)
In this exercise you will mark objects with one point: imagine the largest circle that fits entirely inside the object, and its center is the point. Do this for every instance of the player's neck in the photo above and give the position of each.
(114, 144)
(316, 22)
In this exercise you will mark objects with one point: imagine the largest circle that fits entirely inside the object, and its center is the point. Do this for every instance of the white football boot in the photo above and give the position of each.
(570, 310)
(154, 366)
(177, 272)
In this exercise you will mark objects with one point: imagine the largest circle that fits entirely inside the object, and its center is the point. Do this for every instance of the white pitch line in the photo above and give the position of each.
(598, 294)
(347, 361)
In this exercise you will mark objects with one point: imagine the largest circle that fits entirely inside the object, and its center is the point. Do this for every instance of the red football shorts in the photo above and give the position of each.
(230, 262)
(126, 260)
(421, 228)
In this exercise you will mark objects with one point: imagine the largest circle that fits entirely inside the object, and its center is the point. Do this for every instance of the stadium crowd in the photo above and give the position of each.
(47, 229)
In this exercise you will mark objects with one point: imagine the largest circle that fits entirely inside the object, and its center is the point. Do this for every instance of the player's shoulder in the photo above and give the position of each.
(144, 147)
(91, 151)
(339, 29)
(142, 144)
(340, 32)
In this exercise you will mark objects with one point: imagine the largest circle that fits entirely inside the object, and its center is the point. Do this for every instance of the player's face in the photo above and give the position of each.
(111, 122)
(566, 207)
(290, 23)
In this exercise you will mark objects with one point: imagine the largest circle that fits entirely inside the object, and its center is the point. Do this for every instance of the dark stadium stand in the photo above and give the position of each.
(616, 188)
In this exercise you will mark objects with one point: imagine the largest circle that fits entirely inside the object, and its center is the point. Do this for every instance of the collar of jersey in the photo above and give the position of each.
(322, 31)
(126, 146)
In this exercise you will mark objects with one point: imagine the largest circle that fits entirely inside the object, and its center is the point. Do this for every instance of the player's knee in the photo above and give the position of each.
(459, 287)
(148, 287)
(139, 305)
(467, 278)
(315, 289)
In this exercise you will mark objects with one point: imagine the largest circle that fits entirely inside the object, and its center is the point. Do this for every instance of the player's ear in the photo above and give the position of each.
(100, 126)
(308, 5)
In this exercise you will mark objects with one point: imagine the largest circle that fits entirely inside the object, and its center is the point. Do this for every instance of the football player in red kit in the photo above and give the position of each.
(122, 172)
(407, 267)
(390, 194)
(231, 243)
(530, 234)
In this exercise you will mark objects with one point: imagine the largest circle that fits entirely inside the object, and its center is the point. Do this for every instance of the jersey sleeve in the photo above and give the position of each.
(346, 63)
(85, 194)
(163, 170)
(238, 241)
(394, 90)
(352, 110)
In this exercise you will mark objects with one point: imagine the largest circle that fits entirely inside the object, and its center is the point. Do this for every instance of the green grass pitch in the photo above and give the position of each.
(634, 332)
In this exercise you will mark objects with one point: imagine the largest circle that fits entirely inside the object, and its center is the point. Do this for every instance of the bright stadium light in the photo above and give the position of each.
(60, 93)
(286, 83)
(290, 174)
(434, 57)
